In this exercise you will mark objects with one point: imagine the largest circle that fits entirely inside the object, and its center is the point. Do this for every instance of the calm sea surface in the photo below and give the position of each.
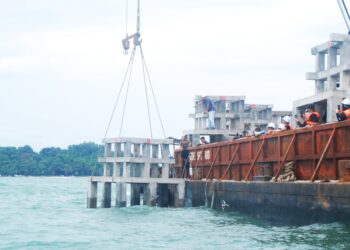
(51, 213)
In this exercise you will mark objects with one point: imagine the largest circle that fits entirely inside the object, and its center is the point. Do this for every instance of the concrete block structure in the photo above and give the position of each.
(331, 77)
(232, 116)
(144, 164)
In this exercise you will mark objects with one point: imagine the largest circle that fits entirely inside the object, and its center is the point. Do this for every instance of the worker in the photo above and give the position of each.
(344, 113)
(281, 127)
(185, 155)
(210, 108)
(270, 128)
(286, 122)
(203, 140)
(258, 131)
(310, 117)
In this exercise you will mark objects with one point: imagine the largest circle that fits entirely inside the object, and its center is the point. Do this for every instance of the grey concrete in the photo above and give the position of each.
(120, 197)
(107, 195)
(331, 77)
(232, 116)
(151, 194)
(92, 194)
(142, 163)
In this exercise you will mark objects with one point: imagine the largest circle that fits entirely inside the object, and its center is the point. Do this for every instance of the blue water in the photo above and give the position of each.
(51, 213)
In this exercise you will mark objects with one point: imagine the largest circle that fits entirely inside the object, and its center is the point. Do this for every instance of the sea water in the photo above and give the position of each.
(51, 213)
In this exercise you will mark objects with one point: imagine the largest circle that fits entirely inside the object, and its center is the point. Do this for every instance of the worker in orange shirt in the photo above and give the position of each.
(344, 113)
(311, 118)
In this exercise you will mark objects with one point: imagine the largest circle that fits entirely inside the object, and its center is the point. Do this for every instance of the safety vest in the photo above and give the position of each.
(307, 118)
(347, 113)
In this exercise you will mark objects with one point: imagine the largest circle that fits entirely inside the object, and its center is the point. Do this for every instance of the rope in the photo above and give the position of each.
(116, 103)
(148, 110)
(127, 92)
(120, 90)
(154, 97)
(126, 19)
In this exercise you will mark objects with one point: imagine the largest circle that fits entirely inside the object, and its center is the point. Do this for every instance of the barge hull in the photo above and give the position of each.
(292, 203)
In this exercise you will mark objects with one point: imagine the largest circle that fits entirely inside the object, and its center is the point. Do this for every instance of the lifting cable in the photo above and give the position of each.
(151, 87)
(128, 75)
(120, 90)
(146, 92)
(127, 90)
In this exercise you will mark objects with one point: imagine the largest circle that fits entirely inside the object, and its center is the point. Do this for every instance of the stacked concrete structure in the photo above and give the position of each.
(142, 163)
(331, 76)
(232, 116)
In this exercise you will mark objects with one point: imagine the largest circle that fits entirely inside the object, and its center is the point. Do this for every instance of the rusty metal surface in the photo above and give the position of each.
(315, 153)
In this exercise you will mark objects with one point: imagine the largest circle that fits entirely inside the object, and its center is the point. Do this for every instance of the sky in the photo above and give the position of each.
(62, 62)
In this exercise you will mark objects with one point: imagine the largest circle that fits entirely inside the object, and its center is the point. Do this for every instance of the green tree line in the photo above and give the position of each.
(77, 160)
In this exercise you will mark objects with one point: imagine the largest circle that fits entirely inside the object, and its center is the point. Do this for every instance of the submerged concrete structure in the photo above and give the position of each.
(144, 165)
(331, 76)
(232, 116)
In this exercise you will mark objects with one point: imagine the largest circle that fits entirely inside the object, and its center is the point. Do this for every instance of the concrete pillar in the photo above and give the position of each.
(331, 107)
(146, 151)
(118, 150)
(108, 149)
(107, 194)
(319, 86)
(137, 150)
(126, 169)
(92, 195)
(127, 149)
(155, 150)
(146, 169)
(345, 81)
(180, 195)
(320, 62)
(332, 57)
(115, 169)
(151, 197)
(332, 83)
(107, 169)
(165, 171)
(120, 197)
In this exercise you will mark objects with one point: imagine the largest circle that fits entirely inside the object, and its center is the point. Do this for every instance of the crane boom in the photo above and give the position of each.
(345, 12)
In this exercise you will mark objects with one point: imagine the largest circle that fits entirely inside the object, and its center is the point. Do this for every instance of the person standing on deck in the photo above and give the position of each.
(210, 108)
(311, 118)
(185, 155)
(286, 122)
(344, 113)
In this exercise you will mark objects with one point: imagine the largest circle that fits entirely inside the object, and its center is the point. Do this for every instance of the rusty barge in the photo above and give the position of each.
(236, 174)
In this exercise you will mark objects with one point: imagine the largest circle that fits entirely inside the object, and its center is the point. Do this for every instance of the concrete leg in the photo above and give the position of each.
(180, 195)
(135, 195)
(92, 195)
(165, 171)
(146, 170)
(107, 193)
(151, 194)
(120, 197)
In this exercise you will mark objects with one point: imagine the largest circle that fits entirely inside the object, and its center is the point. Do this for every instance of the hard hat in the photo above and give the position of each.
(271, 125)
(281, 127)
(346, 101)
(286, 119)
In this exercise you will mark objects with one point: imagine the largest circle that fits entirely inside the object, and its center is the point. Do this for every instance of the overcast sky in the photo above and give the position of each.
(62, 63)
